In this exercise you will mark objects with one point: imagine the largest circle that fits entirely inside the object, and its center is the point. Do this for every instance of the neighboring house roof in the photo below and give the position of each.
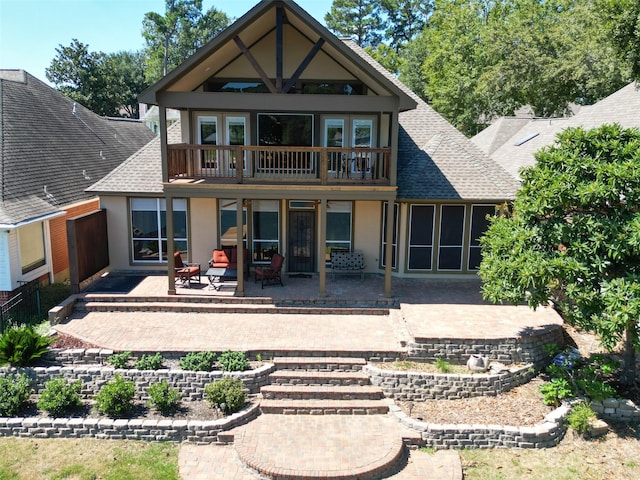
(52, 149)
(517, 150)
(153, 115)
(141, 173)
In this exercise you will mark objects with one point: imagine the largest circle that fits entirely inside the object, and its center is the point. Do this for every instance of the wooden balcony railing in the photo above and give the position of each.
(324, 165)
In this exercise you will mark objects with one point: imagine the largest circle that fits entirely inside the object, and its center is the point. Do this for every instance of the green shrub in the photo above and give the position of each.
(60, 397)
(551, 349)
(116, 397)
(120, 360)
(597, 390)
(555, 391)
(150, 362)
(14, 393)
(233, 361)
(21, 346)
(163, 398)
(443, 365)
(579, 418)
(198, 361)
(227, 394)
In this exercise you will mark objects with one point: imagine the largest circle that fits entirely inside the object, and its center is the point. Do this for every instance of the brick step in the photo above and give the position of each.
(228, 300)
(341, 392)
(94, 306)
(325, 407)
(321, 364)
(301, 377)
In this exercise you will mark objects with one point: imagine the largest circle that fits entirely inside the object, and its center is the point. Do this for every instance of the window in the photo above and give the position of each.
(338, 227)
(451, 237)
(479, 223)
(32, 250)
(208, 135)
(275, 129)
(333, 88)
(421, 237)
(228, 229)
(266, 229)
(334, 137)
(394, 243)
(149, 228)
(236, 135)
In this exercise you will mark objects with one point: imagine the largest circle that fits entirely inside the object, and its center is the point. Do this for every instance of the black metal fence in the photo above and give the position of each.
(23, 308)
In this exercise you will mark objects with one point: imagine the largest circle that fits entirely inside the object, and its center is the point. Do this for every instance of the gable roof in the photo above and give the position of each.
(435, 160)
(52, 148)
(517, 150)
(199, 67)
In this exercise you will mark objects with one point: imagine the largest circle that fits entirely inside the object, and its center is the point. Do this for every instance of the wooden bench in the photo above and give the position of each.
(347, 262)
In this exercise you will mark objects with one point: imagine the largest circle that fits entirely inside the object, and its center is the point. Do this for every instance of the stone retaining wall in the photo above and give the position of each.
(419, 386)
(616, 410)
(547, 433)
(190, 384)
(524, 349)
(202, 432)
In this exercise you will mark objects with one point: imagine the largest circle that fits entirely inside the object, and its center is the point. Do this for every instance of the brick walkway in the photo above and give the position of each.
(305, 445)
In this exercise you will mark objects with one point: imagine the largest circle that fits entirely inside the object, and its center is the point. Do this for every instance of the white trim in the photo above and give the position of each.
(13, 226)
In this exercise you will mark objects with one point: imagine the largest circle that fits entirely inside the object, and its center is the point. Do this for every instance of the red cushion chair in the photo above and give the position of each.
(273, 273)
(185, 271)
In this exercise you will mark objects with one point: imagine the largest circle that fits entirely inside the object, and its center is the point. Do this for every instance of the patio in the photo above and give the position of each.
(419, 309)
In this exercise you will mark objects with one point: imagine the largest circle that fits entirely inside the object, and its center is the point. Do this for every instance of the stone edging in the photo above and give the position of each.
(196, 431)
(616, 410)
(419, 386)
(547, 433)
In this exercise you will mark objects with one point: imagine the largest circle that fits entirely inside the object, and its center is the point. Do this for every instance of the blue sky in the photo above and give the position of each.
(31, 30)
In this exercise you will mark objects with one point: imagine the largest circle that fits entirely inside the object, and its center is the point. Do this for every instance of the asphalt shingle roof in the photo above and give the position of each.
(52, 149)
(621, 107)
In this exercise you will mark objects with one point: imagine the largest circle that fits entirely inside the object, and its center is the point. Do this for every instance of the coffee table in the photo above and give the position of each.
(217, 276)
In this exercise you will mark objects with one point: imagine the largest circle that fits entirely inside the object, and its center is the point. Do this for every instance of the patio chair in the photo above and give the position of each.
(273, 273)
(185, 271)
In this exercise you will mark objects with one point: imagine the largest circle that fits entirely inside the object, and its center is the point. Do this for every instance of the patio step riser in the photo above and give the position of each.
(208, 300)
(319, 364)
(280, 392)
(309, 407)
(300, 381)
(199, 308)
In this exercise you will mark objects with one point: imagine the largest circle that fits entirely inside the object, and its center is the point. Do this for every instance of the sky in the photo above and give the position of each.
(31, 30)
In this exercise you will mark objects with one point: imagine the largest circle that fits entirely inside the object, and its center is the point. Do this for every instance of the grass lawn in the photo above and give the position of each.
(614, 457)
(86, 459)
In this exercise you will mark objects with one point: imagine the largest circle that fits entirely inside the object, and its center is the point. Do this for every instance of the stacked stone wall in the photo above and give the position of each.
(419, 386)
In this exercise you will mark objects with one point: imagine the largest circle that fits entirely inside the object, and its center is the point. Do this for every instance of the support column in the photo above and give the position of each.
(240, 247)
(322, 242)
(170, 246)
(389, 248)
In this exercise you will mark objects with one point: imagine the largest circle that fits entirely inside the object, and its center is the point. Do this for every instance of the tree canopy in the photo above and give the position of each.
(106, 84)
(573, 237)
(173, 37)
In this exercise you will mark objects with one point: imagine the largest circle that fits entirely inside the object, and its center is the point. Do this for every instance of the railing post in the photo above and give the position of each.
(239, 163)
(324, 167)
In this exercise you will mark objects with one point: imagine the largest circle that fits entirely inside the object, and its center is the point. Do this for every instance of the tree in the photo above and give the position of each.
(105, 84)
(173, 37)
(573, 237)
(623, 20)
(405, 19)
(356, 18)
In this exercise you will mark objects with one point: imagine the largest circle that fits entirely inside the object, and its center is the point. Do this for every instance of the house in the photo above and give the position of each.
(51, 150)
(513, 141)
(308, 144)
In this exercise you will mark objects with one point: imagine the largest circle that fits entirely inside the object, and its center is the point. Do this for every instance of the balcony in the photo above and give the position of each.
(259, 164)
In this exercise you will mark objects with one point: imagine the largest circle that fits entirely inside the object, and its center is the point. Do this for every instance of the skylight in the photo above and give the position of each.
(526, 139)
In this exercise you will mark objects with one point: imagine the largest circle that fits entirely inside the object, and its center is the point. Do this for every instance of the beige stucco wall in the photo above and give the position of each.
(203, 230)
(366, 233)
(296, 48)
